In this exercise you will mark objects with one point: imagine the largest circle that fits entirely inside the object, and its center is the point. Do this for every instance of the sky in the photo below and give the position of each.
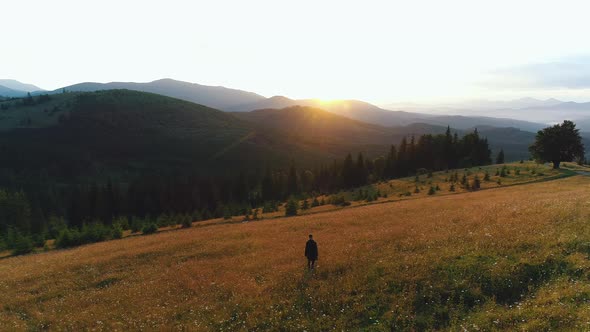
(377, 51)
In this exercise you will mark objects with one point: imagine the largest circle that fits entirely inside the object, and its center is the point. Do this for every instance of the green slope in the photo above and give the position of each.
(123, 131)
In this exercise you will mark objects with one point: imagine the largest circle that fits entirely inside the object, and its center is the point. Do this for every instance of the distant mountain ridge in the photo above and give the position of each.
(11, 93)
(19, 86)
(541, 112)
(366, 112)
(213, 96)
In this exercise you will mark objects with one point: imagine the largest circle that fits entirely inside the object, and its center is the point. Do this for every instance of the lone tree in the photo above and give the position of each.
(500, 157)
(561, 142)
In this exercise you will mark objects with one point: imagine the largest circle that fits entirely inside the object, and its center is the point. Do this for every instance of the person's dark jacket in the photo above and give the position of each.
(311, 250)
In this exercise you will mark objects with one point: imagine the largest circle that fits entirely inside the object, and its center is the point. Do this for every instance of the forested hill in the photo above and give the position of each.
(120, 132)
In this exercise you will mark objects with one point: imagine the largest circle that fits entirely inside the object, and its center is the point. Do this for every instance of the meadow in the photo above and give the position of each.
(511, 258)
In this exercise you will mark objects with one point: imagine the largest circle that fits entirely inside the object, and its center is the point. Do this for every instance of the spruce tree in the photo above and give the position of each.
(431, 191)
(500, 157)
(291, 208)
(452, 188)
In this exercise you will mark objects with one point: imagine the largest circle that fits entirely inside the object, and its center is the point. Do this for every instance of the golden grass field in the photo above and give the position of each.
(512, 258)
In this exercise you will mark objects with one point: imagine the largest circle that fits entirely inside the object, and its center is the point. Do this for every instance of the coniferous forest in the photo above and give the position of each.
(74, 213)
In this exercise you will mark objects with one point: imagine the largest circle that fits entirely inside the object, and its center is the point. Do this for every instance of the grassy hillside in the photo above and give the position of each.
(510, 258)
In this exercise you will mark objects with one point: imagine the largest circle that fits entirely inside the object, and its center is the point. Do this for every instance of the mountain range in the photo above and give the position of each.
(15, 89)
(232, 100)
(213, 96)
(118, 132)
(514, 114)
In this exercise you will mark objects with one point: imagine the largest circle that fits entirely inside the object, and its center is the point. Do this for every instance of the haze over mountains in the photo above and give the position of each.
(527, 114)
(14, 88)
(232, 100)
(547, 111)
(213, 96)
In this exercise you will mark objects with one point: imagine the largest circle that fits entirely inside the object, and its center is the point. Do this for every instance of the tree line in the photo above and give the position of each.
(49, 209)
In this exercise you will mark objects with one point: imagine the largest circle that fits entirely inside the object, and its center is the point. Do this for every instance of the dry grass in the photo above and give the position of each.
(441, 262)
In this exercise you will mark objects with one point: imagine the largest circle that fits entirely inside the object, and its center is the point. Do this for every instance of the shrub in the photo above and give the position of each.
(315, 202)
(117, 231)
(39, 239)
(186, 221)
(136, 224)
(339, 200)
(121, 222)
(431, 191)
(23, 244)
(291, 208)
(68, 238)
(305, 205)
(56, 225)
(149, 228)
(503, 172)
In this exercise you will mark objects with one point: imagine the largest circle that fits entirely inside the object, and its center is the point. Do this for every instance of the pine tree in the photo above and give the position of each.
(500, 157)
(291, 208)
(452, 188)
(503, 172)
(464, 179)
(431, 191)
(486, 176)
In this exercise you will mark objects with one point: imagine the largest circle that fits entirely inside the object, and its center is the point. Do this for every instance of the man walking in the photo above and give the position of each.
(311, 252)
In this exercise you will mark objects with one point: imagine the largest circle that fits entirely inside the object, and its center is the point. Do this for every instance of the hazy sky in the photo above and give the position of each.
(379, 51)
